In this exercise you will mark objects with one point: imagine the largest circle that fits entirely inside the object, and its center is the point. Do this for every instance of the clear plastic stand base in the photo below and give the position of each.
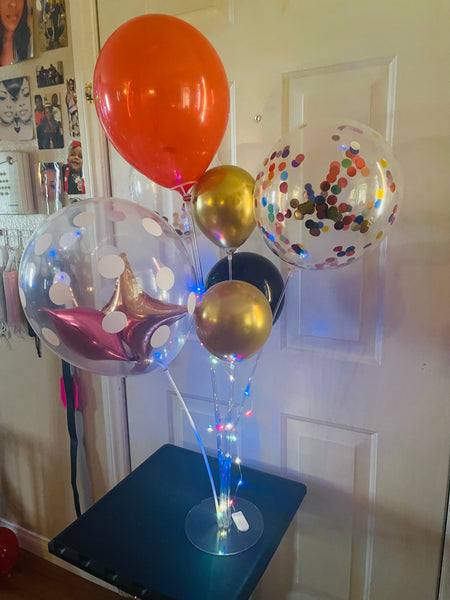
(203, 531)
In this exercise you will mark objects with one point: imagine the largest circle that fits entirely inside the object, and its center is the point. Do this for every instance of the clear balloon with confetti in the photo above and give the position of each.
(326, 192)
(109, 287)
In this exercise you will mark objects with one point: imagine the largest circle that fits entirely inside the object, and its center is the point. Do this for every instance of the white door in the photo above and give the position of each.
(359, 413)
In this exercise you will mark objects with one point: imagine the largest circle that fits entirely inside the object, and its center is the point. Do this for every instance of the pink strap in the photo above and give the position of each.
(63, 393)
(13, 306)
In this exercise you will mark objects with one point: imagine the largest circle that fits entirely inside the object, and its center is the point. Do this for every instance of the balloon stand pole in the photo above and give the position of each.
(276, 310)
(197, 435)
(230, 264)
(213, 530)
(194, 245)
(290, 272)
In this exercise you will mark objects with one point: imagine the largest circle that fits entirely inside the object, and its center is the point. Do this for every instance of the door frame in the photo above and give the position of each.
(84, 29)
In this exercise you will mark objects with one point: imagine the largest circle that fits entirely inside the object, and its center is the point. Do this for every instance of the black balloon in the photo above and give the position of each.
(255, 269)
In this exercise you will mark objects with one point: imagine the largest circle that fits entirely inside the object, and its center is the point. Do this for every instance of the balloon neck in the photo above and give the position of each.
(184, 190)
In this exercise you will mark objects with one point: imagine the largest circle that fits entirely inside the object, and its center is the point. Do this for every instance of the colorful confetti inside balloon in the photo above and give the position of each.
(326, 193)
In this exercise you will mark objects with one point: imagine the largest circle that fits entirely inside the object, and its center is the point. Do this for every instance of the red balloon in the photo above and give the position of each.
(162, 97)
(9, 550)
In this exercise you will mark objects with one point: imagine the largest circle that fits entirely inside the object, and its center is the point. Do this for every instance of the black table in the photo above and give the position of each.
(134, 536)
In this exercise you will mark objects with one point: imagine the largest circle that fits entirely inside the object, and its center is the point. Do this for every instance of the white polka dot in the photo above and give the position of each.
(165, 278)
(50, 336)
(160, 336)
(152, 226)
(59, 293)
(68, 239)
(84, 219)
(42, 244)
(114, 321)
(111, 266)
(107, 249)
(192, 301)
(62, 277)
(22, 297)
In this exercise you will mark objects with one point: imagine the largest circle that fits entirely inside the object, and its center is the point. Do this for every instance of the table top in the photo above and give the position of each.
(134, 537)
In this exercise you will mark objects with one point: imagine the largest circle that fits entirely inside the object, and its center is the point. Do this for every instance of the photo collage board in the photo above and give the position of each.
(41, 105)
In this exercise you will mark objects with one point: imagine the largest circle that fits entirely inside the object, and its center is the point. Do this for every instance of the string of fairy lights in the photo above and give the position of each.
(229, 427)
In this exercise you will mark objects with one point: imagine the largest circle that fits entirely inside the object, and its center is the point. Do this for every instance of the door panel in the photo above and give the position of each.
(338, 465)
(351, 391)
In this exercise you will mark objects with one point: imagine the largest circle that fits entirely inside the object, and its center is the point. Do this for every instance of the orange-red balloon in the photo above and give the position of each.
(162, 97)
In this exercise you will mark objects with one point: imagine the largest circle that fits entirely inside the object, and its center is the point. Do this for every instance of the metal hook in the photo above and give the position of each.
(5, 238)
(13, 239)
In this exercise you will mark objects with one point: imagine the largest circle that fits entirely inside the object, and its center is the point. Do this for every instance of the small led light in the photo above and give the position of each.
(238, 460)
(248, 413)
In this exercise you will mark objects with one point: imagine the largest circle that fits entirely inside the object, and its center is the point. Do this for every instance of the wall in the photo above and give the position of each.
(34, 460)
(35, 491)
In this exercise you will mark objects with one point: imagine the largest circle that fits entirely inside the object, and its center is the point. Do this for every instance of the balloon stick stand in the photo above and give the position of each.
(193, 245)
(223, 524)
(233, 524)
(209, 532)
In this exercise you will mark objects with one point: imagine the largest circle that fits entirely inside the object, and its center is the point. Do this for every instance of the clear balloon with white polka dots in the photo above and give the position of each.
(109, 286)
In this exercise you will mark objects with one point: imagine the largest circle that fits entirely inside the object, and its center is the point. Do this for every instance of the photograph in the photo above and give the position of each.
(16, 31)
(53, 99)
(15, 110)
(73, 181)
(49, 75)
(50, 194)
(72, 108)
(52, 20)
(38, 109)
(49, 130)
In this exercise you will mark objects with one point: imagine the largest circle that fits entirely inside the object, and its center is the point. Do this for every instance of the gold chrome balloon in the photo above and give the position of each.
(222, 205)
(233, 320)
